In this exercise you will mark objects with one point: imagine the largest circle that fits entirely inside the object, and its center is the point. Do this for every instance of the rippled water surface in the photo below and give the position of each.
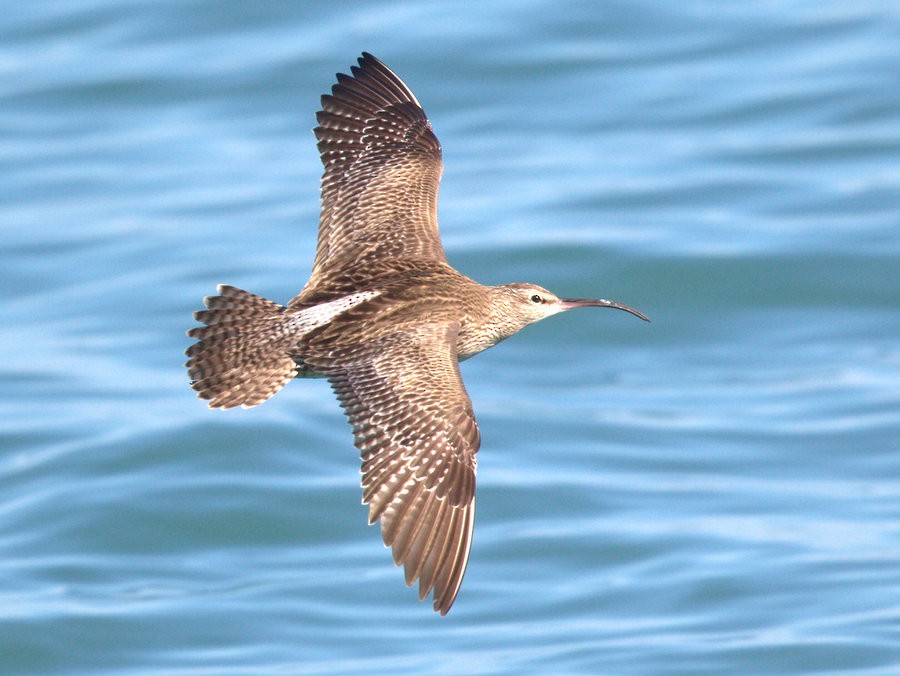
(715, 492)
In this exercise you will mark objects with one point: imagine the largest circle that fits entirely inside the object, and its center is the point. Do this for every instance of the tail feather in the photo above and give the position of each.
(241, 357)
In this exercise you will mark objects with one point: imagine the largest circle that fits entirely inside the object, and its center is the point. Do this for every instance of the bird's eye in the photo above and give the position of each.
(536, 298)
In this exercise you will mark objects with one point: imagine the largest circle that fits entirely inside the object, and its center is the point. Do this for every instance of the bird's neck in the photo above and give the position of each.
(486, 325)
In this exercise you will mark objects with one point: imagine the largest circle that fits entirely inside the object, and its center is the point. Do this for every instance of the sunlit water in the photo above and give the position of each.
(715, 492)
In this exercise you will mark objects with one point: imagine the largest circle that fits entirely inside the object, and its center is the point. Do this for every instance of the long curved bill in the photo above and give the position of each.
(572, 303)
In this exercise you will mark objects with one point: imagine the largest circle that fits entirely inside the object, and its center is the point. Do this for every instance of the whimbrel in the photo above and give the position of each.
(387, 320)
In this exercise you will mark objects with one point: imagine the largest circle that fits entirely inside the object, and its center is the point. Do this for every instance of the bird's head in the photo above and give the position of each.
(529, 303)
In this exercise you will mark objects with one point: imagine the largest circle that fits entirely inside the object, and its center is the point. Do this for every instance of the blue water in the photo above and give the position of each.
(715, 492)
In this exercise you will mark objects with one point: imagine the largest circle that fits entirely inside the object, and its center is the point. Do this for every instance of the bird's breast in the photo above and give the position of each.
(474, 339)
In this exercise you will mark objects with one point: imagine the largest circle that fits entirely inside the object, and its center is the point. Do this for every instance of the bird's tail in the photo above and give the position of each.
(242, 354)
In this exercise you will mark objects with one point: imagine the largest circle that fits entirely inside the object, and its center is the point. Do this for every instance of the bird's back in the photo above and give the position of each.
(410, 292)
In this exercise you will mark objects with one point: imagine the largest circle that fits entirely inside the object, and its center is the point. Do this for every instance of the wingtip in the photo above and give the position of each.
(368, 56)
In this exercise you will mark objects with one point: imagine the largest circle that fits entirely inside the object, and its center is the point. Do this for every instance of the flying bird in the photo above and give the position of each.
(386, 319)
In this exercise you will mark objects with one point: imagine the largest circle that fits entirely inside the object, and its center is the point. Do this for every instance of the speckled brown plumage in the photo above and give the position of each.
(386, 319)
(382, 168)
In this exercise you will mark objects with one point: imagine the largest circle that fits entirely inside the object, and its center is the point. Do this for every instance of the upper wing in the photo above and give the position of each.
(414, 426)
(382, 169)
